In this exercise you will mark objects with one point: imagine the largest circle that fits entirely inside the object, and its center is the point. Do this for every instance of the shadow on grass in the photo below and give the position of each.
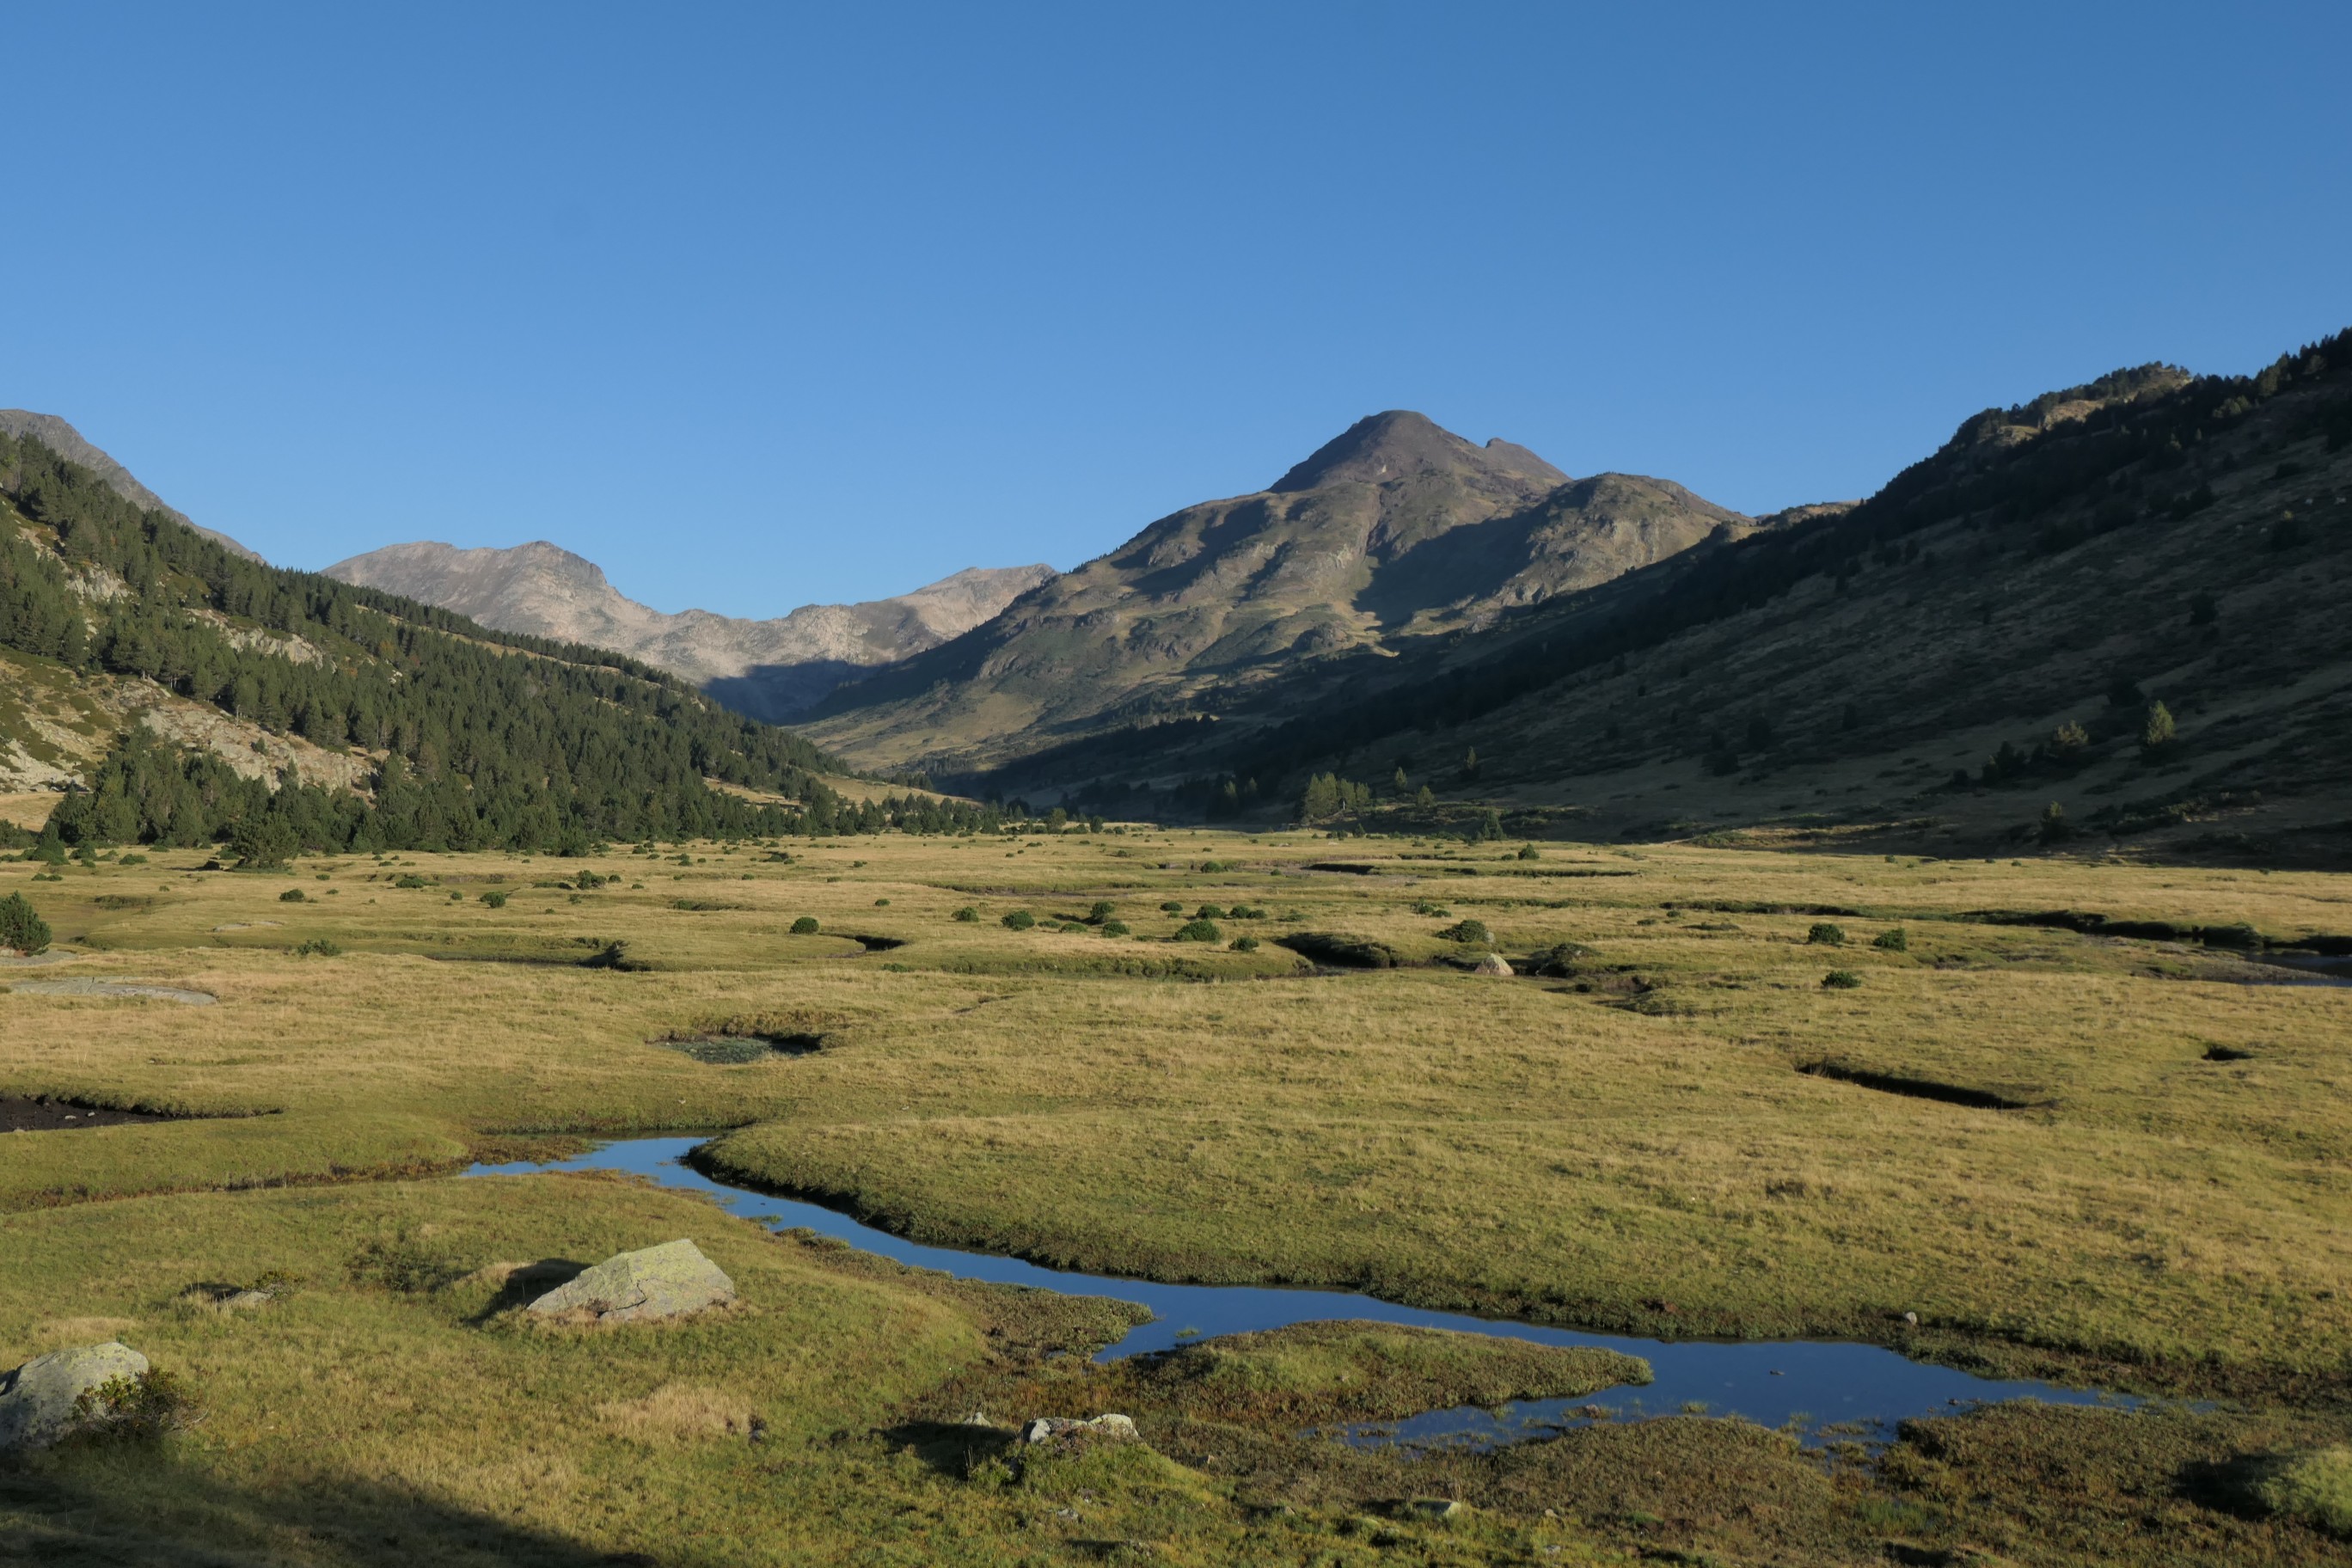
(526, 1284)
(950, 1448)
(131, 1508)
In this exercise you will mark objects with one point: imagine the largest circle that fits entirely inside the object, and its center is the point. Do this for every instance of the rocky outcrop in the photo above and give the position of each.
(1113, 1428)
(40, 1401)
(671, 1280)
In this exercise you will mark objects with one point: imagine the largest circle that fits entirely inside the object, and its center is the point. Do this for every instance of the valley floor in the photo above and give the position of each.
(2110, 1162)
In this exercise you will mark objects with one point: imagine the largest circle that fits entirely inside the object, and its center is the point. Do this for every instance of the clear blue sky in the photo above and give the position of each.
(767, 304)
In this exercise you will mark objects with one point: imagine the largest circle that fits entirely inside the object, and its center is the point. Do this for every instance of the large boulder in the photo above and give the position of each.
(1494, 963)
(38, 1401)
(665, 1282)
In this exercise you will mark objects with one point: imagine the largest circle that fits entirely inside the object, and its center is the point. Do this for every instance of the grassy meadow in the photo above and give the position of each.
(2106, 1161)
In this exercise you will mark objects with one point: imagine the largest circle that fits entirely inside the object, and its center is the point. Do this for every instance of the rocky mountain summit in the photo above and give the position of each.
(1394, 529)
(770, 669)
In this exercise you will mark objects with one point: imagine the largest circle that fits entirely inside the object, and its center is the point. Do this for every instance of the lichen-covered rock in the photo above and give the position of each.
(1111, 1428)
(665, 1282)
(38, 1401)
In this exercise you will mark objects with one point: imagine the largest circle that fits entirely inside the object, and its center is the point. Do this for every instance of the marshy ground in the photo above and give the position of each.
(2111, 1160)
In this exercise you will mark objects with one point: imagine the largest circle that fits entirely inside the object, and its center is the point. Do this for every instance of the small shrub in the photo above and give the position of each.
(494, 901)
(806, 926)
(1210, 912)
(1199, 930)
(1171, 907)
(410, 880)
(133, 860)
(881, 903)
(22, 929)
(1077, 928)
(1020, 920)
(1471, 930)
(136, 1409)
(1824, 934)
(1892, 941)
(457, 897)
(2314, 1486)
(1102, 911)
(406, 1262)
(1529, 852)
(967, 914)
(1434, 911)
(1841, 979)
(1244, 944)
(1246, 912)
(1114, 928)
(317, 947)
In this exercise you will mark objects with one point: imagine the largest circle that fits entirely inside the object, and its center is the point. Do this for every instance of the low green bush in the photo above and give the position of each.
(495, 900)
(1892, 941)
(1114, 928)
(806, 926)
(317, 947)
(1468, 931)
(1244, 944)
(293, 896)
(2313, 1487)
(967, 914)
(22, 928)
(1841, 979)
(1199, 930)
(1210, 912)
(1172, 907)
(1824, 934)
(1020, 920)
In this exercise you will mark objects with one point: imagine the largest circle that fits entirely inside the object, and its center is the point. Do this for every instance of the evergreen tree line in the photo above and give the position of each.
(484, 739)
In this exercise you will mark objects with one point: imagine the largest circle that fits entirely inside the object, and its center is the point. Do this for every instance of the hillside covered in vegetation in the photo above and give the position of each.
(211, 695)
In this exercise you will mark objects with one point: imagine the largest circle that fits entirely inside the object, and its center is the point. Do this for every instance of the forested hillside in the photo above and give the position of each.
(462, 737)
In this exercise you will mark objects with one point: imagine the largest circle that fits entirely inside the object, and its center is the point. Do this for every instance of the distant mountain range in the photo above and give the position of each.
(68, 443)
(2111, 612)
(770, 669)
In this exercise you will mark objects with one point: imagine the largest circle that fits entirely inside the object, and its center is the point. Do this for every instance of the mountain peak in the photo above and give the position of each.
(1388, 446)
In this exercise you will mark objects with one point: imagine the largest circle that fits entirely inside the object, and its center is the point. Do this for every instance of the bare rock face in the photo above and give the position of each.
(38, 1401)
(666, 1282)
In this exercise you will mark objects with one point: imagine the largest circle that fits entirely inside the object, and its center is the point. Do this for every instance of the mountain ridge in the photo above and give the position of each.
(1395, 529)
(71, 445)
(770, 669)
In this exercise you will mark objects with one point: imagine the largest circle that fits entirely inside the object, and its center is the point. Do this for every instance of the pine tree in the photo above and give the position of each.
(2157, 731)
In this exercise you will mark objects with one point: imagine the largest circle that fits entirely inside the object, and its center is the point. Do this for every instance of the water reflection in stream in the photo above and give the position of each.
(1836, 1388)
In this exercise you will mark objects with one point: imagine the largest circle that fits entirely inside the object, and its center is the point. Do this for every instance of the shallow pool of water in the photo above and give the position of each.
(1834, 1387)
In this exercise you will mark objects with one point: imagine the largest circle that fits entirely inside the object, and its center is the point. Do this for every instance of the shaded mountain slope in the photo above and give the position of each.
(2034, 585)
(1394, 529)
(769, 668)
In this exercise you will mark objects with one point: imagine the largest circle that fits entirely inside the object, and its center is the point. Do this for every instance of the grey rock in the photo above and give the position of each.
(665, 1282)
(1494, 963)
(1047, 1429)
(37, 1400)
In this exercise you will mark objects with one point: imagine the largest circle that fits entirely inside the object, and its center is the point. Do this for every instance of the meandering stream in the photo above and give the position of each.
(1835, 1388)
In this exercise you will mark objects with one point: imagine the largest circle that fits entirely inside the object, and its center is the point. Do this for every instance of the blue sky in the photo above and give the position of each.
(763, 305)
